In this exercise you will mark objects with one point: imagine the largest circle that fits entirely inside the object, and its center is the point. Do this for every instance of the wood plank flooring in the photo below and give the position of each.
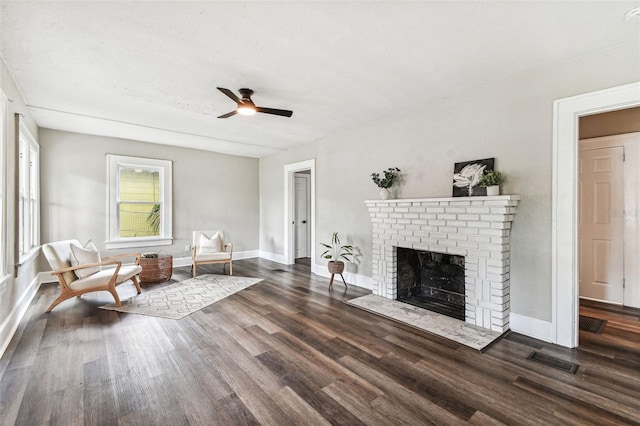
(287, 351)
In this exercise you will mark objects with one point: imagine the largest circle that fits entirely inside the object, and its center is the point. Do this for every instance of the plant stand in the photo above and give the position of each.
(336, 267)
(331, 282)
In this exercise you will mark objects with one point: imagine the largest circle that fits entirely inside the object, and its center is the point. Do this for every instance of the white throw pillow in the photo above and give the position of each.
(83, 255)
(210, 245)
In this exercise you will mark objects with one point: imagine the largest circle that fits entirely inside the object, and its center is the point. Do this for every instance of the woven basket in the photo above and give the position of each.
(156, 270)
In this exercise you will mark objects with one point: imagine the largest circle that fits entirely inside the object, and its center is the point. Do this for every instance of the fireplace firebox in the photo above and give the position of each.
(433, 281)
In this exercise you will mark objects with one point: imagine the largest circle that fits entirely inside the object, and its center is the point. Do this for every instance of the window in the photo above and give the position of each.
(140, 206)
(28, 193)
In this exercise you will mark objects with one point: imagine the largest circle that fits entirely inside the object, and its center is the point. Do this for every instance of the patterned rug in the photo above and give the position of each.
(178, 300)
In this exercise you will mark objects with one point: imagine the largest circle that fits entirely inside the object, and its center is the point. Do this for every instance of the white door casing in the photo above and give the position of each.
(301, 212)
(601, 224)
(632, 220)
(289, 188)
(564, 229)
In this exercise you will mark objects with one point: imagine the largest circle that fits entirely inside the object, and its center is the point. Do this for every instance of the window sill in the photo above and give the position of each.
(138, 242)
(27, 258)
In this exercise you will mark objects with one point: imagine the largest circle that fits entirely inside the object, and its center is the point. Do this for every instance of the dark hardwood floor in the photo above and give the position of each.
(287, 351)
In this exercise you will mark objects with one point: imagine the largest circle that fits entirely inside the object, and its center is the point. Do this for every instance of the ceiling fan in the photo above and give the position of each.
(246, 105)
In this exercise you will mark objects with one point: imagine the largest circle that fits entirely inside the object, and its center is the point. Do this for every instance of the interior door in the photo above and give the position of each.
(301, 215)
(601, 228)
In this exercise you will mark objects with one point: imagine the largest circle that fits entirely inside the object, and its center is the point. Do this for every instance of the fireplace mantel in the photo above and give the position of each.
(475, 227)
(477, 200)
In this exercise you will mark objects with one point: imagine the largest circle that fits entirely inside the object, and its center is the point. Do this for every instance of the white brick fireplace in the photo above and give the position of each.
(477, 228)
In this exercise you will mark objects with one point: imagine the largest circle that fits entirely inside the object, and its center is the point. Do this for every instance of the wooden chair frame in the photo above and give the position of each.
(225, 246)
(195, 263)
(66, 292)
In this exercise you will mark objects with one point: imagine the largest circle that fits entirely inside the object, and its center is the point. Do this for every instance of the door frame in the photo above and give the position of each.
(289, 193)
(564, 210)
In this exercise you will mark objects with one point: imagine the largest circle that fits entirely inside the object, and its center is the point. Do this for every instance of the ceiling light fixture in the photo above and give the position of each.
(245, 105)
(246, 109)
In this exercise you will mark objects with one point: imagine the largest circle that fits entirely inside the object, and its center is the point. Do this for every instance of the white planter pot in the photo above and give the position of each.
(493, 190)
(384, 194)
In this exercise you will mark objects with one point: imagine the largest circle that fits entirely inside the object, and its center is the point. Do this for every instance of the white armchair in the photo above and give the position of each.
(210, 247)
(86, 277)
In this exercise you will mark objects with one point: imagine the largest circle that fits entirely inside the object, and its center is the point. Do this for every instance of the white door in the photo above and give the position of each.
(301, 216)
(601, 227)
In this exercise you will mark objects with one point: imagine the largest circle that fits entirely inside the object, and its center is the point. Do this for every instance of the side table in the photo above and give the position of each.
(156, 269)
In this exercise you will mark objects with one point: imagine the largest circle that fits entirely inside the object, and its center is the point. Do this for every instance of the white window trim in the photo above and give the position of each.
(3, 185)
(29, 255)
(166, 235)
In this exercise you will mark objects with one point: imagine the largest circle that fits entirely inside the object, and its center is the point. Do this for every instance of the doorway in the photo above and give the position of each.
(564, 229)
(301, 211)
(299, 238)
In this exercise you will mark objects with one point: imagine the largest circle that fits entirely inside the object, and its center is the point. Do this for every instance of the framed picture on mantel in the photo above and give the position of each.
(466, 177)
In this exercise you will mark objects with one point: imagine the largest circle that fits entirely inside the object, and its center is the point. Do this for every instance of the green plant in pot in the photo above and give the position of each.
(391, 176)
(336, 251)
(492, 181)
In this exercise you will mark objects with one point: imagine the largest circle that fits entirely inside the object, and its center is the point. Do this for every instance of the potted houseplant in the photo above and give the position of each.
(391, 175)
(336, 251)
(492, 180)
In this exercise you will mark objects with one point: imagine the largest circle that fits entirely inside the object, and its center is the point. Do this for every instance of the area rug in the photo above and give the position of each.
(178, 300)
(453, 329)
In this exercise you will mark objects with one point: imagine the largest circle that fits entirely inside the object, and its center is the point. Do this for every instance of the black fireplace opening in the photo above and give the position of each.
(431, 280)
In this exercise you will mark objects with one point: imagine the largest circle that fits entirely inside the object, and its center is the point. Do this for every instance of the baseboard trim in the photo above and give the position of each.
(354, 279)
(10, 324)
(532, 327)
(46, 277)
(278, 258)
(248, 254)
(237, 255)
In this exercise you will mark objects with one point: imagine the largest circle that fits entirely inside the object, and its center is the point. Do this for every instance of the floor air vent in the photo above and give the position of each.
(594, 325)
(279, 270)
(560, 364)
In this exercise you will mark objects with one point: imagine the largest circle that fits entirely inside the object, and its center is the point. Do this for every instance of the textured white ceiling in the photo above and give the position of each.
(149, 70)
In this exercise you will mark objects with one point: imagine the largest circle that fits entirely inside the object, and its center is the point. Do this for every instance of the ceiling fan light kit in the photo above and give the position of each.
(245, 105)
(246, 109)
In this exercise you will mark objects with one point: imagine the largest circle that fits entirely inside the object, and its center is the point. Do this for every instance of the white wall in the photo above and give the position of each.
(510, 120)
(15, 293)
(210, 191)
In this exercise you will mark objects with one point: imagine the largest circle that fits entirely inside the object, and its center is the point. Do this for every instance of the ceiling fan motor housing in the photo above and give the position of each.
(246, 94)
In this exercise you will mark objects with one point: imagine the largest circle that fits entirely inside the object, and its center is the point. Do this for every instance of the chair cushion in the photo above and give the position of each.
(58, 254)
(196, 235)
(102, 277)
(213, 256)
(83, 255)
(208, 245)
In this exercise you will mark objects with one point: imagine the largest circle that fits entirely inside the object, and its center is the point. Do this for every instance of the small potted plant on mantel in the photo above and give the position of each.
(391, 175)
(492, 181)
(334, 252)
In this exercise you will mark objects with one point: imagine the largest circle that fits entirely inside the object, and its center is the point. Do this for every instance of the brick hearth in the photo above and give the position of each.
(475, 227)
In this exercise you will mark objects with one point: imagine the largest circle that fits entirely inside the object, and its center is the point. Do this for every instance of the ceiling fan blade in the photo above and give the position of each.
(282, 112)
(229, 114)
(230, 94)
